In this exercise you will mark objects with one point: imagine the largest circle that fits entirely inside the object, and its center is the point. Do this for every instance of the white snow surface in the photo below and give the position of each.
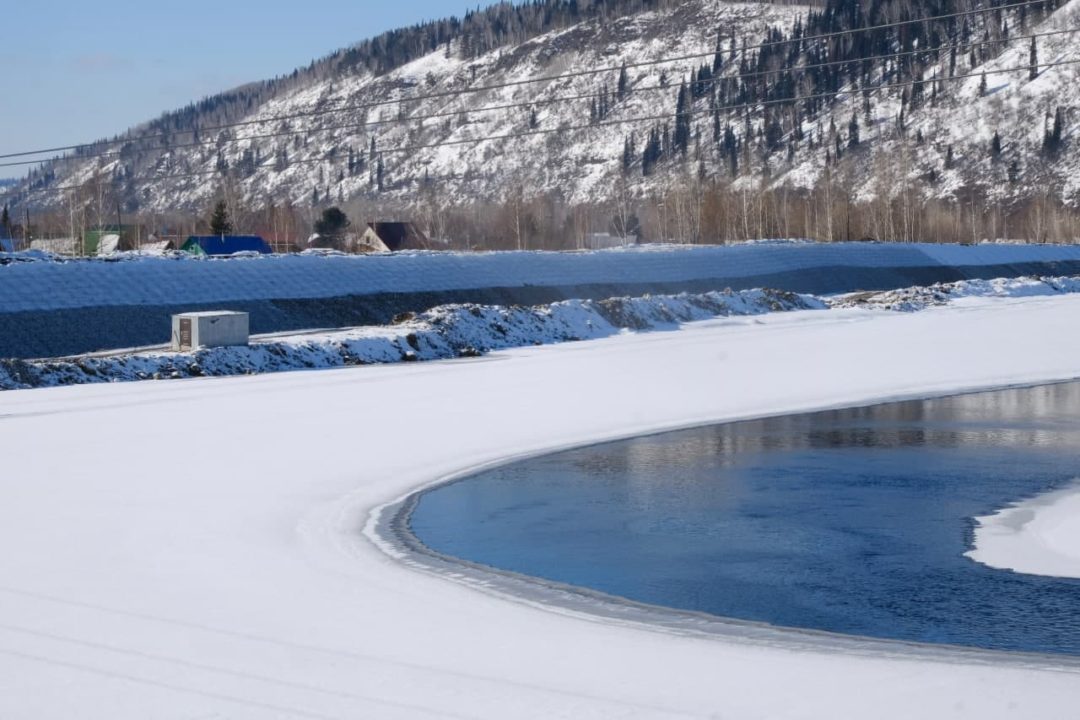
(133, 280)
(197, 549)
(1040, 536)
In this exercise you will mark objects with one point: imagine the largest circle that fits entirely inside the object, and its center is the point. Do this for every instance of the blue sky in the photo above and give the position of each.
(73, 71)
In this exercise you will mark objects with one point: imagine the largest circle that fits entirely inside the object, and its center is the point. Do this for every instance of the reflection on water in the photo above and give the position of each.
(851, 521)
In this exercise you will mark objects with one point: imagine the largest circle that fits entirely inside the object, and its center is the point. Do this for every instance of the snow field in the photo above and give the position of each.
(195, 549)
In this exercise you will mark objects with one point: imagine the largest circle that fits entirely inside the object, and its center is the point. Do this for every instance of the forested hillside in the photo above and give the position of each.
(701, 121)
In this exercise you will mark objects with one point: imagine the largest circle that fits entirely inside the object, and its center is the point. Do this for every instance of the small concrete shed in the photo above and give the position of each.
(218, 328)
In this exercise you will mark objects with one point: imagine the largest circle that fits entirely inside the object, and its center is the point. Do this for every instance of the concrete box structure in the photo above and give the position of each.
(219, 328)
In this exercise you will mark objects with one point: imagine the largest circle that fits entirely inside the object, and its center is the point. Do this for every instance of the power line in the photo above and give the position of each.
(526, 81)
(609, 123)
(550, 101)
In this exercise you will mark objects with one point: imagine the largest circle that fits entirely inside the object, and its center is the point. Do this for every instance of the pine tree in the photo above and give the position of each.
(629, 153)
(1033, 71)
(623, 88)
(853, 131)
(731, 149)
(220, 224)
(380, 175)
(982, 85)
(5, 222)
(653, 152)
(995, 146)
(949, 158)
(333, 223)
(1052, 138)
(681, 141)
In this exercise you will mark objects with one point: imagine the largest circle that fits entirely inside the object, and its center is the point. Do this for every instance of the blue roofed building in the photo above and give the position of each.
(218, 245)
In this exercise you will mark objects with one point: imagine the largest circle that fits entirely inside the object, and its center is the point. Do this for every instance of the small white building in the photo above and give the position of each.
(217, 328)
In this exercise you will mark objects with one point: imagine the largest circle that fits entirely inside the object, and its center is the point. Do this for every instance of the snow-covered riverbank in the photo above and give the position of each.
(471, 330)
(195, 548)
(1040, 536)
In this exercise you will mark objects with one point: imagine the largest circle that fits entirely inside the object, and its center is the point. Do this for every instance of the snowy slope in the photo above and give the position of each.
(490, 167)
(469, 156)
(194, 549)
(1014, 106)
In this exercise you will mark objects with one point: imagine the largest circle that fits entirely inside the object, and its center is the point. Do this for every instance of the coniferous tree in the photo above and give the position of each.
(731, 149)
(1033, 61)
(220, 224)
(995, 146)
(623, 88)
(1052, 138)
(853, 131)
(949, 158)
(681, 141)
(333, 223)
(982, 85)
(654, 150)
(629, 153)
(5, 222)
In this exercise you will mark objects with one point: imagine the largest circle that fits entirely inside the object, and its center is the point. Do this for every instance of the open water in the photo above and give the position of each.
(852, 521)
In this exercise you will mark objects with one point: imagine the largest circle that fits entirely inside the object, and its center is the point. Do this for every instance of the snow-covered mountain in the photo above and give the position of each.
(930, 139)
